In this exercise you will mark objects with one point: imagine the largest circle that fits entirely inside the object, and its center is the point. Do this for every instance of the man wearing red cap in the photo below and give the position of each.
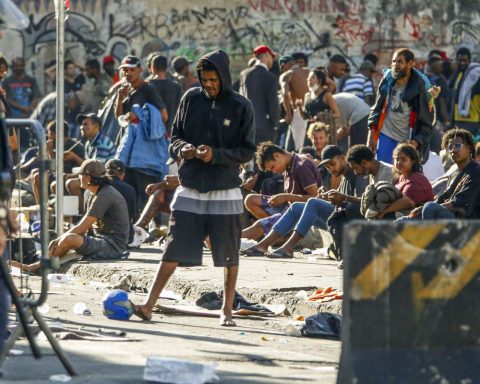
(259, 85)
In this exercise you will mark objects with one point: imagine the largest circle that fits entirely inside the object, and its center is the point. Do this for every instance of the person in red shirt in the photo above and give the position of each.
(415, 187)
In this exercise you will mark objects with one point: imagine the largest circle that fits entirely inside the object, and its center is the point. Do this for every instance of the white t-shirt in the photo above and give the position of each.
(433, 168)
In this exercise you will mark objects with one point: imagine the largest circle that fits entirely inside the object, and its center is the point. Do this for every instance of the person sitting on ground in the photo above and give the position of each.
(116, 170)
(461, 199)
(73, 156)
(98, 147)
(410, 180)
(301, 181)
(318, 134)
(106, 216)
(160, 197)
(301, 216)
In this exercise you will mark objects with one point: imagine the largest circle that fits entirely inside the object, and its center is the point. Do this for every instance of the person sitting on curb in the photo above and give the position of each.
(116, 170)
(106, 216)
(461, 199)
(98, 147)
(301, 216)
(301, 181)
(160, 197)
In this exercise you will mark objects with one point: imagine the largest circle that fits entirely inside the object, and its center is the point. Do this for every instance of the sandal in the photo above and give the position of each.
(137, 311)
(224, 322)
(279, 254)
(252, 251)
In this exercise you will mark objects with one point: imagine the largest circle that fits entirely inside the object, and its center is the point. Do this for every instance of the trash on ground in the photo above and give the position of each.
(242, 333)
(264, 338)
(301, 294)
(15, 352)
(58, 278)
(323, 324)
(324, 295)
(170, 295)
(61, 378)
(117, 306)
(306, 251)
(247, 243)
(44, 309)
(176, 371)
(80, 309)
(299, 318)
(292, 330)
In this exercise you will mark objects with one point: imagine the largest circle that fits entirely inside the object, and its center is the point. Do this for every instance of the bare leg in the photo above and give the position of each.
(229, 284)
(253, 232)
(270, 239)
(165, 270)
(151, 210)
(289, 246)
(35, 178)
(253, 204)
(58, 248)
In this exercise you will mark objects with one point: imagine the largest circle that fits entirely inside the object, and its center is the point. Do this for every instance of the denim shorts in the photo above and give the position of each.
(99, 248)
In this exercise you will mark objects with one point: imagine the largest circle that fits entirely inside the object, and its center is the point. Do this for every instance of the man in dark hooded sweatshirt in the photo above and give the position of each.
(213, 133)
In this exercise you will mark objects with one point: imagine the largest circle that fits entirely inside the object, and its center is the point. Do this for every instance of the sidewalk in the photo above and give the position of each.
(260, 279)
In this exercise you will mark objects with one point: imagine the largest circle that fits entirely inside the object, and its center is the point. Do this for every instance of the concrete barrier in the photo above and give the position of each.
(411, 310)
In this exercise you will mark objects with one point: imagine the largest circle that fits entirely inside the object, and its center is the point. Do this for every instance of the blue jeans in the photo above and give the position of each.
(385, 148)
(302, 216)
(433, 210)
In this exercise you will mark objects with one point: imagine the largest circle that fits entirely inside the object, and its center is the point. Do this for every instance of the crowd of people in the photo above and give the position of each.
(283, 149)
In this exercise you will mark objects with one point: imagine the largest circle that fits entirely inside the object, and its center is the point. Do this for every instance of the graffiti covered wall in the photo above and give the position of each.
(97, 28)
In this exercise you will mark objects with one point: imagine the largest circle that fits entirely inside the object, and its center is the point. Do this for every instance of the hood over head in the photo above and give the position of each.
(220, 60)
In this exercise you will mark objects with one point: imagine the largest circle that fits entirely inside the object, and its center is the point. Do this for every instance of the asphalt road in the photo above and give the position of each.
(256, 351)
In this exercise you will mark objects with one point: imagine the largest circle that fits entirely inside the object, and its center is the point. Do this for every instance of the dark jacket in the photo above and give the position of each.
(260, 86)
(416, 96)
(463, 191)
(225, 123)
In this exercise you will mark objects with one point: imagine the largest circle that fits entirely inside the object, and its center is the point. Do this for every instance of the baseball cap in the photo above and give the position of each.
(90, 167)
(329, 152)
(114, 165)
(130, 61)
(285, 59)
(367, 64)
(93, 116)
(263, 49)
(179, 62)
(108, 59)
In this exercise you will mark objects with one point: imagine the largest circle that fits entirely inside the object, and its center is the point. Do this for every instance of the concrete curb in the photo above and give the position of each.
(137, 280)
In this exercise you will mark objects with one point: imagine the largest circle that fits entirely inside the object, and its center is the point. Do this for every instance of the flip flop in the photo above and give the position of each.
(139, 313)
(279, 254)
(252, 251)
(227, 322)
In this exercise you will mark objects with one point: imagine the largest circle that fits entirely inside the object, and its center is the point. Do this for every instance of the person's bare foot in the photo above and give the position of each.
(142, 312)
(29, 268)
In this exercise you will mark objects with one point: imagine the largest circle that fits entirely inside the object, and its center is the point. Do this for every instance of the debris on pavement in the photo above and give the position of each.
(177, 371)
(324, 325)
(324, 295)
(62, 378)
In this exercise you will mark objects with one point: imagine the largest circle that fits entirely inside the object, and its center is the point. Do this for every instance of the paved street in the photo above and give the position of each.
(256, 351)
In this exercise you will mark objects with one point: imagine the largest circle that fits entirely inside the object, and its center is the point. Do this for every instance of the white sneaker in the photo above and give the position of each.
(139, 237)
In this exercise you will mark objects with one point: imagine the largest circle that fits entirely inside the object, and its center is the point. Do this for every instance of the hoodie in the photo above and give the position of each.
(420, 101)
(225, 123)
(144, 146)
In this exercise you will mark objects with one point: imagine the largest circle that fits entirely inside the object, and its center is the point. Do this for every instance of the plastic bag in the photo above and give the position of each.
(176, 371)
(323, 324)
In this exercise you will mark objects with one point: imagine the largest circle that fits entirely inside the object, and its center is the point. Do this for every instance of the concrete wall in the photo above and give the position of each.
(319, 27)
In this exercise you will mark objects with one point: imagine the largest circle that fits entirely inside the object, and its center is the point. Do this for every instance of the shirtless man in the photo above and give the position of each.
(294, 86)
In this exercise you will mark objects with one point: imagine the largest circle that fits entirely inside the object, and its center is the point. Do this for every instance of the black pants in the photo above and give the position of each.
(139, 181)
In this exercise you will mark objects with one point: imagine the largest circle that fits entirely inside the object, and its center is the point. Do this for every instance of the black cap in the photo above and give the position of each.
(285, 59)
(115, 165)
(91, 115)
(130, 61)
(329, 152)
(90, 167)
